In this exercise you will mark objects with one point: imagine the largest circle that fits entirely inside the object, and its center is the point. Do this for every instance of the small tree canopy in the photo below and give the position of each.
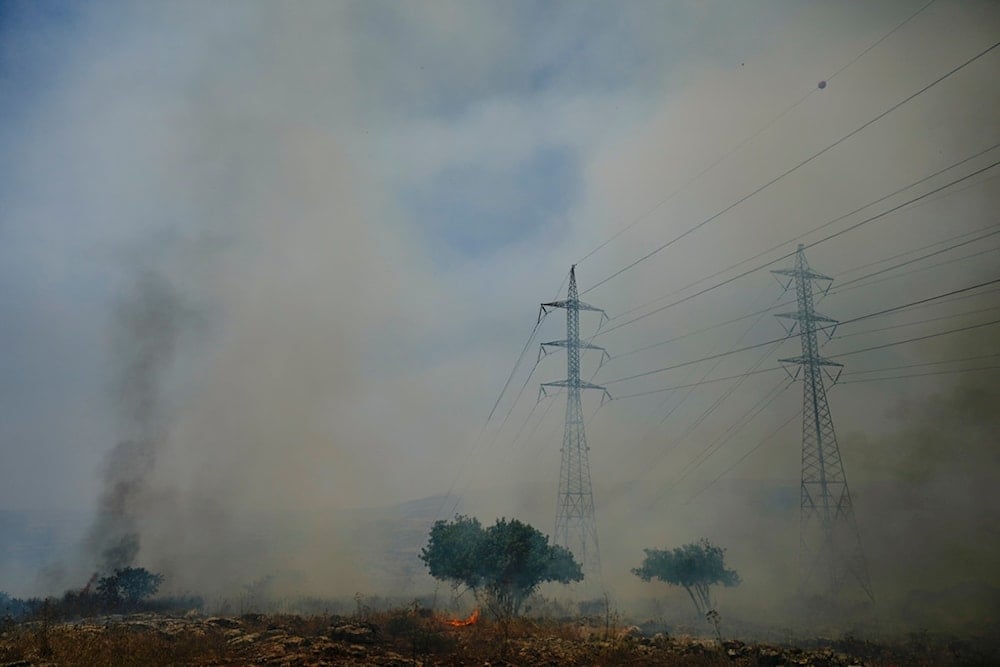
(505, 562)
(130, 584)
(696, 567)
(452, 552)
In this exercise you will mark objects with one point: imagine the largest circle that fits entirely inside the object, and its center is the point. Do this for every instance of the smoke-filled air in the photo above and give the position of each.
(272, 328)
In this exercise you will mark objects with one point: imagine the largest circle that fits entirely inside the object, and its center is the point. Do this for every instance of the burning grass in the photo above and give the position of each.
(463, 622)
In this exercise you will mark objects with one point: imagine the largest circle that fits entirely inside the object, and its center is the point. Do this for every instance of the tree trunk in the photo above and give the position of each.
(697, 605)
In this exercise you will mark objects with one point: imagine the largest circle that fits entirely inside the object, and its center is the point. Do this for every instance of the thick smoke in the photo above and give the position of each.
(931, 513)
(144, 340)
(349, 184)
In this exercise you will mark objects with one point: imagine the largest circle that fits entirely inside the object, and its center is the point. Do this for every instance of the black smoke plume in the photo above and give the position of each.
(146, 327)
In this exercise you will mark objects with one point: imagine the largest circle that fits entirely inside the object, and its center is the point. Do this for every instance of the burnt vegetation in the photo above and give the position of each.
(416, 635)
(126, 590)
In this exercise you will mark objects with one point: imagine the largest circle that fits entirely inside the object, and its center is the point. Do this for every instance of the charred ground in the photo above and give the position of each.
(419, 636)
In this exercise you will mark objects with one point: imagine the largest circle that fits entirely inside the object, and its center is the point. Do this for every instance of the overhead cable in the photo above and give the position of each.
(799, 165)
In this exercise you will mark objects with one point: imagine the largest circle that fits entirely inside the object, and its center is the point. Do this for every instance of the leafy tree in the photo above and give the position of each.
(451, 553)
(696, 567)
(130, 585)
(503, 564)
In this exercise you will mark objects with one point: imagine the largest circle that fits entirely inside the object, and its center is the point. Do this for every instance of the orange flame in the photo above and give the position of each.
(463, 622)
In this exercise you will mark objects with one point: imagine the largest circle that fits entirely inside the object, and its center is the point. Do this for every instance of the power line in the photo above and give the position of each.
(769, 342)
(978, 357)
(697, 384)
(711, 408)
(769, 437)
(919, 270)
(750, 138)
(915, 323)
(768, 399)
(836, 143)
(739, 425)
(833, 292)
(923, 257)
(913, 340)
(729, 392)
(816, 229)
(823, 226)
(763, 402)
(766, 439)
(691, 426)
(827, 224)
(717, 402)
(790, 254)
(917, 375)
(883, 38)
(478, 440)
(780, 368)
(913, 250)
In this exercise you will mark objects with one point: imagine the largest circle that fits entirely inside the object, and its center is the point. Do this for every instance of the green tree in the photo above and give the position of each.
(502, 565)
(452, 551)
(696, 566)
(130, 585)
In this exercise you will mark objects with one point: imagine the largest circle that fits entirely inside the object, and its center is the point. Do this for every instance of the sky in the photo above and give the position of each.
(293, 250)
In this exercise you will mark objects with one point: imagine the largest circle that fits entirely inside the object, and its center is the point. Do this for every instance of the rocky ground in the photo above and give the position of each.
(414, 637)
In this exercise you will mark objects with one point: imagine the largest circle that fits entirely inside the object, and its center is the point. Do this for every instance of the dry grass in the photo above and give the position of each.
(417, 636)
(115, 645)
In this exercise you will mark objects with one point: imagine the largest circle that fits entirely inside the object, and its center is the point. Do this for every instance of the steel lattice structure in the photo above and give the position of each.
(576, 526)
(829, 539)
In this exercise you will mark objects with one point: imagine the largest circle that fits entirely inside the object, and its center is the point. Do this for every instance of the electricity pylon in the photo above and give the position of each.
(830, 544)
(576, 526)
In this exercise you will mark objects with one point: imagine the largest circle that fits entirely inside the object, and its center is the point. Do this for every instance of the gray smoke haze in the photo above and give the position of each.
(350, 212)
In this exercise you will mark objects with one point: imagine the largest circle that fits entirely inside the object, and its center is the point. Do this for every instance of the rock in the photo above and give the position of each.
(243, 640)
(632, 631)
(769, 656)
(220, 622)
(355, 633)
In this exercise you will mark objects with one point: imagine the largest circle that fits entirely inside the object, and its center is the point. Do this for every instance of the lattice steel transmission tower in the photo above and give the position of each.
(576, 526)
(831, 552)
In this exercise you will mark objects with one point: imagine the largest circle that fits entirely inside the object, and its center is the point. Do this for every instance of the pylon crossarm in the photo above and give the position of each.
(785, 363)
(785, 284)
(810, 317)
(789, 328)
(582, 384)
(818, 361)
(551, 305)
(586, 306)
(542, 393)
(806, 273)
(566, 343)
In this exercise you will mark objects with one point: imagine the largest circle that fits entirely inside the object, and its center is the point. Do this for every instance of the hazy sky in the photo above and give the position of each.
(305, 242)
